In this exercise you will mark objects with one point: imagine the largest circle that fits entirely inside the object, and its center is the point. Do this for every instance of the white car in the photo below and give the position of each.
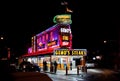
(90, 64)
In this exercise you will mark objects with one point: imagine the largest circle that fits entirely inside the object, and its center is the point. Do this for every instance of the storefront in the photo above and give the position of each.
(62, 59)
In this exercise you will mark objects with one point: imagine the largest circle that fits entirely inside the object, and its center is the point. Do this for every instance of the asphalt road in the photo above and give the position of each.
(94, 75)
(25, 76)
(91, 75)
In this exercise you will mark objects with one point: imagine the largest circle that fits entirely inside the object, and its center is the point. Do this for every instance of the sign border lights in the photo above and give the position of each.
(62, 19)
(70, 52)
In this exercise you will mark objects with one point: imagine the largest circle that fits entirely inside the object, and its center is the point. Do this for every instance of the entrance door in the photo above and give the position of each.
(77, 61)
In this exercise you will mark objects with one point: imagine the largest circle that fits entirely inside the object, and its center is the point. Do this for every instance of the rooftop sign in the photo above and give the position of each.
(62, 19)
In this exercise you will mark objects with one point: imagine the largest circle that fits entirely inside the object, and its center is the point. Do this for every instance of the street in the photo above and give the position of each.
(91, 75)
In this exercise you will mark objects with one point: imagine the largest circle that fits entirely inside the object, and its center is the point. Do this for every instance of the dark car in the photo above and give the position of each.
(29, 67)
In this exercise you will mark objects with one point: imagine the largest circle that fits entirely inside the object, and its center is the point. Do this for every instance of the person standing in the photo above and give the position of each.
(44, 65)
(55, 66)
(70, 65)
(65, 64)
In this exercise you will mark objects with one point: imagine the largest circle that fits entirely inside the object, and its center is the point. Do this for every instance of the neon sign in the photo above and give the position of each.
(65, 30)
(62, 19)
(52, 43)
(65, 38)
(74, 52)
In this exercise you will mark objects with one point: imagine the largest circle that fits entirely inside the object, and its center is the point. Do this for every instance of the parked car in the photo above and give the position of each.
(90, 64)
(13, 67)
(29, 67)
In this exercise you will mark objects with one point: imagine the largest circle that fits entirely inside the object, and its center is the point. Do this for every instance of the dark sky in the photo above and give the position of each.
(93, 21)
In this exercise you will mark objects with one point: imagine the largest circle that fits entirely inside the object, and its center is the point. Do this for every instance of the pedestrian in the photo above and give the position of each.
(51, 67)
(55, 66)
(70, 65)
(44, 65)
(65, 64)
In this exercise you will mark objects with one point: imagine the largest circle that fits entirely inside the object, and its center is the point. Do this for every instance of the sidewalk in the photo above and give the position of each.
(63, 72)
(60, 75)
(74, 72)
(90, 75)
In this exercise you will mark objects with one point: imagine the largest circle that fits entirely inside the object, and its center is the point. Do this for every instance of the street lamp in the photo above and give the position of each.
(105, 41)
(1, 38)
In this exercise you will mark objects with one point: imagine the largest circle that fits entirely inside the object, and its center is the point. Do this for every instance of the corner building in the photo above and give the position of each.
(57, 37)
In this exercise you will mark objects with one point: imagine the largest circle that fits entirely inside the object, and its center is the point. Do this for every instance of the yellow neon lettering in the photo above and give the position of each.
(85, 53)
(62, 52)
(80, 52)
(74, 52)
(57, 52)
(68, 52)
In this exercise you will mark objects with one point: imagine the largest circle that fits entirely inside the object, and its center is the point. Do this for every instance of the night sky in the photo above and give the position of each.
(92, 22)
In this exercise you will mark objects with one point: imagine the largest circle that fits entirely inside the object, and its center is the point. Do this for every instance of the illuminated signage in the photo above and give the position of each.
(65, 43)
(65, 30)
(66, 38)
(62, 19)
(33, 39)
(74, 52)
(52, 43)
(40, 46)
(30, 50)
